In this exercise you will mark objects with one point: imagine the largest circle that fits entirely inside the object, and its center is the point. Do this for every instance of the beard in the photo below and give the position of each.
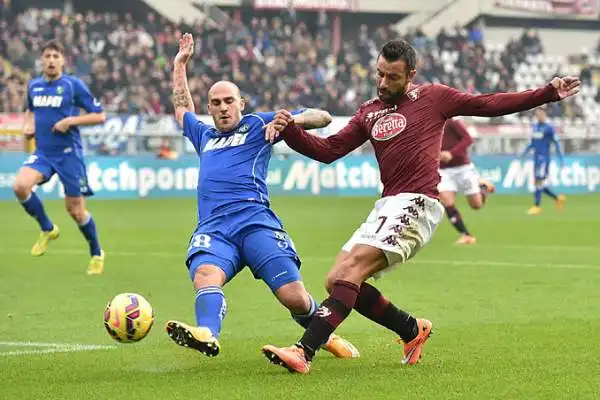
(391, 97)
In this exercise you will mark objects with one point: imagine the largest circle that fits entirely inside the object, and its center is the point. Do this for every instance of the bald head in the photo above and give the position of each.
(224, 88)
(225, 105)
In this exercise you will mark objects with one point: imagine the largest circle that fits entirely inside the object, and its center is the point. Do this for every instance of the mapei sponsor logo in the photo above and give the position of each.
(388, 127)
(315, 177)
(237, 139)
(572, 175)
(47, 101)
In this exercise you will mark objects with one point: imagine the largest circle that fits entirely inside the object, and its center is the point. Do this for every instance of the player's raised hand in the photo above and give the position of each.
(566, 86)
(62, 126)
(186, 49)
(273, 128)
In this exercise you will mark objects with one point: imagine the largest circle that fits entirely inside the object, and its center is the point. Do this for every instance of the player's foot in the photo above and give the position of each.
(292, 358)
(412, 349)
(560, 202)
(488, 185)
(535, 210)
(96, 266)
(40, 247)
(194, 337)
(340, 347)
(466, 239)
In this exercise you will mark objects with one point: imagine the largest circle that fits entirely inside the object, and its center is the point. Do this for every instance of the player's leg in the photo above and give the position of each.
(272, 258)
(35, 171)
(394, 231)
(541, 169)
(71, 171)
(447, 188)
(212, 261)
(448, 199)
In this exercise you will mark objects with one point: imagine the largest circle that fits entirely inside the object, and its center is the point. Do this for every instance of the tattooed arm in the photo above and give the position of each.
(312, 118)
(182, 98)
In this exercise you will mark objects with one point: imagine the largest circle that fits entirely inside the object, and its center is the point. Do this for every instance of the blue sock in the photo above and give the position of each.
(538, 197)
(211, 308)
(88, 229)
(304, 320)
(550, 193)
(34, 207)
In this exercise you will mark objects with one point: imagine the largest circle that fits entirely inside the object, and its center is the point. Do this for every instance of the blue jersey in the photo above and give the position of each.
(544, 136)
(51, 101)
(233, 165)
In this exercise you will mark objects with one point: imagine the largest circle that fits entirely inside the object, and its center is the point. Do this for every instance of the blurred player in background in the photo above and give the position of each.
(404, 124)
(458, 174)
(236, 226)
(52, 117)
(544, 136)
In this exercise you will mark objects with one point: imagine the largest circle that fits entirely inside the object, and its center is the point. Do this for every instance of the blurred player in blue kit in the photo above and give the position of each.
(542, 140)
(54, 101)
(236, 226)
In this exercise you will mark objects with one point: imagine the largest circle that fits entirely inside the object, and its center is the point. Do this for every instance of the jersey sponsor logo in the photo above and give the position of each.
(47, 101)
(234, 140)
(379, 113)
(388, 127)
(38, 89)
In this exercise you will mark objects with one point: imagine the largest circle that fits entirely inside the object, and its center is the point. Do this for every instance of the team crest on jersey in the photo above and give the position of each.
(244, 128)
(413, 94)
(60, 90)
(388, 127)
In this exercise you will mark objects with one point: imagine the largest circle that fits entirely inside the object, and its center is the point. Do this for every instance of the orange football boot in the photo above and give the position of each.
(292, 358)
(413, 349)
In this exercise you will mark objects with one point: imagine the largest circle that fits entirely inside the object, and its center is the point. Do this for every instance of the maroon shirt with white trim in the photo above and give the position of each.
(407, 135)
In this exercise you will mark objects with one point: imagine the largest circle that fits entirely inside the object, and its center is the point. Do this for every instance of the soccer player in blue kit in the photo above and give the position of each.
(52, 117)
(544, 136)
(236, 226)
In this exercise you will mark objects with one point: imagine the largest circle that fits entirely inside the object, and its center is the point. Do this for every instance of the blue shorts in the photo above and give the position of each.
(69, 167)
(541, 167)
(269, 253)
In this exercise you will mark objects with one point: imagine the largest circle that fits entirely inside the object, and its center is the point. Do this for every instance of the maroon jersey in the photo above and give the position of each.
(456, 140)
(407, 135)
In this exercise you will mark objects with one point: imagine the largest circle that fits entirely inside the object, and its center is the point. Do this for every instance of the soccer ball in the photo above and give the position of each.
(128, 317)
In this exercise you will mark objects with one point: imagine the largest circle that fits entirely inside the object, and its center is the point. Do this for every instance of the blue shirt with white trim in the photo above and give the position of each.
(233, 165)
(51, 101)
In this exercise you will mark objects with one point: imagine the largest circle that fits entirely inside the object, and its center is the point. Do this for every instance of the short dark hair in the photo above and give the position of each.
(54, 45)
(395, 50)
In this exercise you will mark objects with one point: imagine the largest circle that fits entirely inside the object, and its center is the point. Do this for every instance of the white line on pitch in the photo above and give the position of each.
(49, 348)
(417, 260)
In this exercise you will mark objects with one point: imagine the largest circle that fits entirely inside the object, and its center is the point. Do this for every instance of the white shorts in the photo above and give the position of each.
(463, 179)
(399, 225)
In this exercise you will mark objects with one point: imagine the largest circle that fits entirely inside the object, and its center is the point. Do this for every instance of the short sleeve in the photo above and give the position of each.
(193, 129)
(270, 115)
(83, 98)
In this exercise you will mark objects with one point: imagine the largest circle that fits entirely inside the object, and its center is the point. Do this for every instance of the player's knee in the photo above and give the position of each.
(208, 275)
(77, 212)
(21, 189)
(358, 264)
(294, 297)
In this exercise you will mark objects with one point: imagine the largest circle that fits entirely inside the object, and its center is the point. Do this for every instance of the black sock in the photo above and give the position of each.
(550, 193)
(485, 190)
(456, 220)
(330, 314)
(374, 306)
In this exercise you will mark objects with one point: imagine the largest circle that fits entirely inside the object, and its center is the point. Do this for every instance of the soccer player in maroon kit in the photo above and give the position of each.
(458, 174)
(404, 124)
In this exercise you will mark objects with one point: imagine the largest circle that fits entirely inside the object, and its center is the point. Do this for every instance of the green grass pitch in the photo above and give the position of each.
(515, 317)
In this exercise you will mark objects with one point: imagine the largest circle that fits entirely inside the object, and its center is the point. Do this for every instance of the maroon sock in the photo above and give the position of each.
(330, 314)
(374, 306)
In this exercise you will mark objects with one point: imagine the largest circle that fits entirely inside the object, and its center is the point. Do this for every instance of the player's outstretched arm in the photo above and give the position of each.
(329, 149)
(312, 118)
(182, 98)
(453, 102)
(527, 149)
